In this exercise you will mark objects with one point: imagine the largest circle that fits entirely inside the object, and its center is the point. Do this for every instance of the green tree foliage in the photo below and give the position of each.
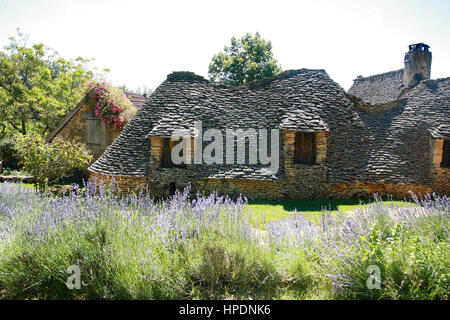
(247, 59)
(8, 154)
(37, 87)
(49, 162)
(143, 90)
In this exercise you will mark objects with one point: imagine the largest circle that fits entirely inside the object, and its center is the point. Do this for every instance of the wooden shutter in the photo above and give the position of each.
(304, 149)
(446, 154)
(96, 132)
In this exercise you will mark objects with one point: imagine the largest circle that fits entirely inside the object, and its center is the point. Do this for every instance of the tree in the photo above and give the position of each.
(37, 87)
(143, 90)
(247, 59)
(49, 162)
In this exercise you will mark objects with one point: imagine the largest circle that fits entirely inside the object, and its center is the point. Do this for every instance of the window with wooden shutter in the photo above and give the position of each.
(305, 148)
(446, 154)
(96, 132)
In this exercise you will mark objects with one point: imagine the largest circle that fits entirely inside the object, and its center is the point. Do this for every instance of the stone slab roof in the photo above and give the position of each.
(296, 100)
(394, 146)
(379, 89)
(362, 145)
(247, 172)
(136, 99)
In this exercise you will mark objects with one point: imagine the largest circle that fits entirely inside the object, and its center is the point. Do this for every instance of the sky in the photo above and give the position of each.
(141, 42)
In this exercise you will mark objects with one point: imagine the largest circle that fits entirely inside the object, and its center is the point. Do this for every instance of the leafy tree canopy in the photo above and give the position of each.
(247, 59)
(37, 86)
(143, 90)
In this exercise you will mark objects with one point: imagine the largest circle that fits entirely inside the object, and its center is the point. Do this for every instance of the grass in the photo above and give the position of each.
(17, 173)
(268, 211)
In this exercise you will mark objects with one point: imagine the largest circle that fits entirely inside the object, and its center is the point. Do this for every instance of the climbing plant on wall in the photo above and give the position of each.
(112, 105)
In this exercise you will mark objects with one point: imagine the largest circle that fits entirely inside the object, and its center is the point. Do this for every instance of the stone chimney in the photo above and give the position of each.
(417, 64)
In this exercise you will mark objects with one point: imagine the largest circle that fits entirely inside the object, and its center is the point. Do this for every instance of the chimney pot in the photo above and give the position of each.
(417, 64)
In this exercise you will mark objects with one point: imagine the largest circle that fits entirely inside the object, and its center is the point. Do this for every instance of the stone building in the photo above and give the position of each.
(82, 125)
(389, 134)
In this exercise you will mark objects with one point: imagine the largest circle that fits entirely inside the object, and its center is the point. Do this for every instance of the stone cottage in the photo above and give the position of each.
(389, 134)
(82, 125)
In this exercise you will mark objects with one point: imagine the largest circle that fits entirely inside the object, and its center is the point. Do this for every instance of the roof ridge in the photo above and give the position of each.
(435, 80)
(189, 75)
(132, 92)
(379, 75)
(185, 75)
(283, 75)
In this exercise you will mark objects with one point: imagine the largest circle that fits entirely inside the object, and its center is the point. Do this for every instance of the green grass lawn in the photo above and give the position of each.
(272, 210)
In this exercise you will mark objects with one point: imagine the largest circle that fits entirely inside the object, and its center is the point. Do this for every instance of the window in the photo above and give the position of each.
(166, 158)
(446, 154)
(172, 188)
(305, 148)
(96, 132)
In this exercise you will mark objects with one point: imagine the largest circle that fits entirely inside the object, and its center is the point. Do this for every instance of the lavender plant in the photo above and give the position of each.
(409, 244)
(205, 247)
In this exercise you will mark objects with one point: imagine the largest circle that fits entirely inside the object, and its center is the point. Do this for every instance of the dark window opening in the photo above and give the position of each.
(446, 154)
(172, 188)
(166, 158)
(305, 148)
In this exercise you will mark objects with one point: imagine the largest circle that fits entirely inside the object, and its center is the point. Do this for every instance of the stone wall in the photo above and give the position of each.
(77, 128)
(441, 182)
(251, 189)
(125, 184)
(269, 190)
(300, 181)
(363, 190)
(304, 181)
(266, 190)
(161, 178)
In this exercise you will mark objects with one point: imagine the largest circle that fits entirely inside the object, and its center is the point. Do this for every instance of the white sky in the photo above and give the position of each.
(143, 41)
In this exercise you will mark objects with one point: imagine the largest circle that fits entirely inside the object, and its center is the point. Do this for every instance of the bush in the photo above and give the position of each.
(409, 246)
(50, 162)
(8, 154)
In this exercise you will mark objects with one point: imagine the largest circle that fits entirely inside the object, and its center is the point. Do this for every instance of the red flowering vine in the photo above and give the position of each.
(112, 105)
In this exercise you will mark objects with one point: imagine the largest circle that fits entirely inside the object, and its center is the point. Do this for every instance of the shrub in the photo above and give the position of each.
(405, 243)
(8, 154)
(50, 162)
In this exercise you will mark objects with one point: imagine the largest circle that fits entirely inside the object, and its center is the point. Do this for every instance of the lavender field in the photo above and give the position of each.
(196, 247)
